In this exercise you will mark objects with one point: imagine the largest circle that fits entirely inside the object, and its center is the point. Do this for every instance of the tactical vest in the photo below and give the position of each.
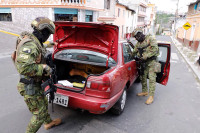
(143, 48)
(23, 39)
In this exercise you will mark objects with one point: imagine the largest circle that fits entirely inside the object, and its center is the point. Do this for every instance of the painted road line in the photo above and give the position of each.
(47, 42)
(9, 33)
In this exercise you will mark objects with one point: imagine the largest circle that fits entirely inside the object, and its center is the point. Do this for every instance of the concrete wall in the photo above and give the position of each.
(22, 18)
(95, 16)
(120, 21)
(97, 4)
(129, 21)
(109, 12)
(81, 16)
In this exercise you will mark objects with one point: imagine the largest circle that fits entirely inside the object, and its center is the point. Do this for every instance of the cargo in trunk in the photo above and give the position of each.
(77, 72)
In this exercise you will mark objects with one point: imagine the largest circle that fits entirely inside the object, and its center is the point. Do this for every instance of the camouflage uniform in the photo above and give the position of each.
(149, 51)
(29, 59)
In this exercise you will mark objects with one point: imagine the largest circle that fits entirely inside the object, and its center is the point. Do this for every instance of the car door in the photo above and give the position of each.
(129, 62)
(164, 60)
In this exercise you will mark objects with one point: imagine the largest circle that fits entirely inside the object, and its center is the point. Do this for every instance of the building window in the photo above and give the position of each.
(5, 17)
(141, 8)
(64, 14)
(123, 13)
(5, 14)
(118, 12)
(127, 52)
(66, 17)
(132, 13)
(88, 16)
(70, 1)
(140, 19)
(106, 4)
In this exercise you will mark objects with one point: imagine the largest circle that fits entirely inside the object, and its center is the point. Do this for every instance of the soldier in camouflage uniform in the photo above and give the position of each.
(29, 61)
(147, 51)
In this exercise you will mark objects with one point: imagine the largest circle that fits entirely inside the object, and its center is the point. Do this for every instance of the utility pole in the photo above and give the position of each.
(176, 14)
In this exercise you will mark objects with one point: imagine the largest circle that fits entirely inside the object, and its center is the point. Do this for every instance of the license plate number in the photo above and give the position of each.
(60, 100)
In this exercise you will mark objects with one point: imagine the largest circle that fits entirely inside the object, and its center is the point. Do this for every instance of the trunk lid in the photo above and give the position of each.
(101, 38)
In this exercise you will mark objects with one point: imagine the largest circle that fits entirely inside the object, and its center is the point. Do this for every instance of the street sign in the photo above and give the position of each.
(186, 26)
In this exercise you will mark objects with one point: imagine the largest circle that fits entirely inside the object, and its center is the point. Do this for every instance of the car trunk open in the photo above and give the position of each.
(84, 49)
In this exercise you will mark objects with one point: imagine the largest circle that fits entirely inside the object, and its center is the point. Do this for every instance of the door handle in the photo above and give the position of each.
(129, 68)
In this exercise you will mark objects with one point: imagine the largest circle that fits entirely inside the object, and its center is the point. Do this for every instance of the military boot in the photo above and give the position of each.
(54, 122)
(149, 100)
(142, 94)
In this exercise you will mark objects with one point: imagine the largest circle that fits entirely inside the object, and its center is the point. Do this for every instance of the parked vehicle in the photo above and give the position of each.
(94, 68)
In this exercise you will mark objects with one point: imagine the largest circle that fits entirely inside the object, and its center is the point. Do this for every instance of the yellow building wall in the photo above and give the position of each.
(192, 36)
(194, 20)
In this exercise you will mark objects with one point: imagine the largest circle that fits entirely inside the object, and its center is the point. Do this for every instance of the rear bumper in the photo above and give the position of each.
(92, 104)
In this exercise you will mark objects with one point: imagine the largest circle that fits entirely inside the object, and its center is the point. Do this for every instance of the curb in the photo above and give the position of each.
(195, 72)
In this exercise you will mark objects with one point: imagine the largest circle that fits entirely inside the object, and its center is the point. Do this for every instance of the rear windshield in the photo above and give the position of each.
(84, 55)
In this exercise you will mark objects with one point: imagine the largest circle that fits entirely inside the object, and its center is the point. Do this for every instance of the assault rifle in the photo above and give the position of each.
(51, 81)
(140, 65)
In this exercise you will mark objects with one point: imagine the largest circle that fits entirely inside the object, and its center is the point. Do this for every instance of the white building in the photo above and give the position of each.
(151, 17)
(140, 7)
(22, 12)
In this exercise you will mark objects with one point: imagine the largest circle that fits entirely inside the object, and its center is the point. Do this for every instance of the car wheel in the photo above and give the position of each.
(118, 108)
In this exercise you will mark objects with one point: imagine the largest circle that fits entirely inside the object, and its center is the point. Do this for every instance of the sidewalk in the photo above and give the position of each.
(190, 57)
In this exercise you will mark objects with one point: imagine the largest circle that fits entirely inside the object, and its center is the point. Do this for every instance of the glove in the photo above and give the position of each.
(47, 70)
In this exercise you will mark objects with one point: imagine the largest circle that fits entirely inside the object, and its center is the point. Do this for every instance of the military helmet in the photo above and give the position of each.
(135, 31)
(41, 23)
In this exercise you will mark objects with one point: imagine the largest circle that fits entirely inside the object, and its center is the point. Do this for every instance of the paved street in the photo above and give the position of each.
(176, 108)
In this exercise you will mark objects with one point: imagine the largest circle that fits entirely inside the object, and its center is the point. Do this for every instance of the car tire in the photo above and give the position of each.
(119, 106)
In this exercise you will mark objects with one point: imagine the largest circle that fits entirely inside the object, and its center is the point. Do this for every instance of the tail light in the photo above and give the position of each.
(98, 86)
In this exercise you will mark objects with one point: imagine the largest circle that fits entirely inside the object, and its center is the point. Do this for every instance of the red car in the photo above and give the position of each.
(94, 69)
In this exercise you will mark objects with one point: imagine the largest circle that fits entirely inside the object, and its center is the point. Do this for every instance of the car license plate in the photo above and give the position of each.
(60, 99)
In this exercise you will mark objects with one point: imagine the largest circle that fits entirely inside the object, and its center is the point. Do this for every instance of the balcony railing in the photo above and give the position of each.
(141, 13)
(73, 1)
(42, 2)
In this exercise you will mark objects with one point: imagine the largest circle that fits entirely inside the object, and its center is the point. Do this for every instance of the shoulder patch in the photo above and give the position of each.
(27, 50)
(22, 56)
